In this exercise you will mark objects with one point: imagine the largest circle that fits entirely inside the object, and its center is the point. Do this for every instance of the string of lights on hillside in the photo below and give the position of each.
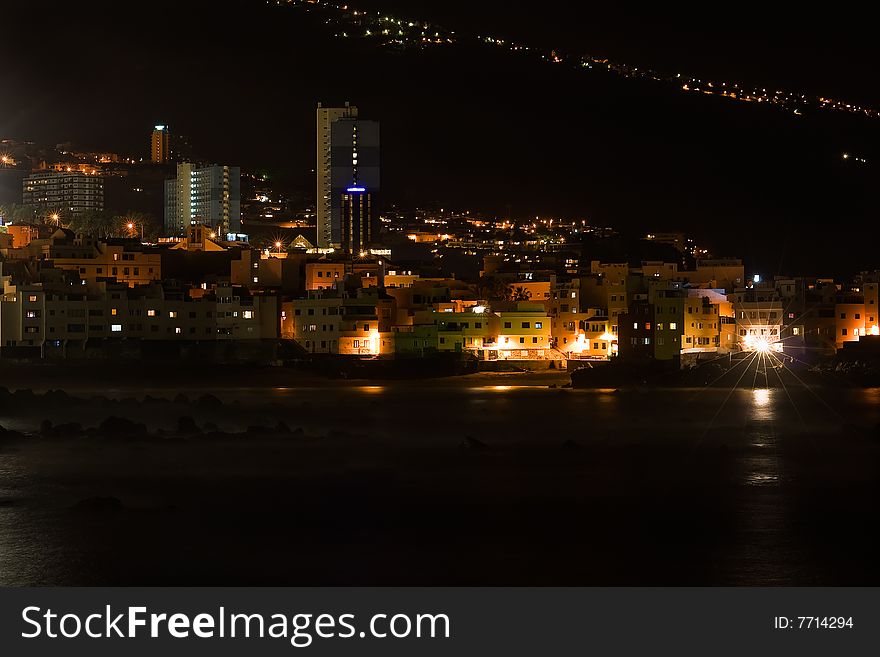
(397, 33)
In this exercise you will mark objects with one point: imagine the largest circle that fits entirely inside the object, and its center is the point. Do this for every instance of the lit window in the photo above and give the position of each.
(151, 313)
(116, 328)
(248, 314)
(32, 298)
(177, 330)
(673, 325)
(113, 311)
(172, 314)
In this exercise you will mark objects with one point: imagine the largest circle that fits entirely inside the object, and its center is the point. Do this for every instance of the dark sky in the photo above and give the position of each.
(483, 130)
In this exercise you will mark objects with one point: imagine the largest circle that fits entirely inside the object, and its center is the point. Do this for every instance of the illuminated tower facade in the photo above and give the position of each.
(357, 220)
(209, 195)
(160, 145)
(348, 157)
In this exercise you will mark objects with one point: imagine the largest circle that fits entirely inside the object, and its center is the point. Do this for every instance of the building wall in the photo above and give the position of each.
(324, 275)
(850, 323)
(33, 315)
(208, 195)
(324, 199)
(67, 194)
(524, 332)
(111, 261)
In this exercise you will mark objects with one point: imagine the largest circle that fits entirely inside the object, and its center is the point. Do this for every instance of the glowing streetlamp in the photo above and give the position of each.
(132, 228)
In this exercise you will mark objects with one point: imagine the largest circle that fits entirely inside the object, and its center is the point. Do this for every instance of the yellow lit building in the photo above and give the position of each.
(461, 331)
(330, 322)
(324, 274)
(160, 146)
(850, 323)
(523, 333)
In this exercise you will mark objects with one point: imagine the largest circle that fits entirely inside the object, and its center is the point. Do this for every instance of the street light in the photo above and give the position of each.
(132, 226)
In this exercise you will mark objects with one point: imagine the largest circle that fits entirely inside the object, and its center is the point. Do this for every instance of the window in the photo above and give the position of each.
(673, 326)
(635, 325)
(248, 314)
(539, 325)
(526, 325)
(151, 313)
(32, 298)
(116, 328)
(522, 340)
(177, 330)
(113, 312)
(172, 314)
(507, 325)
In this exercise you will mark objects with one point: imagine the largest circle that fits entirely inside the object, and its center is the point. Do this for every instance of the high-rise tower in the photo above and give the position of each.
(348, 157)
(160, 145)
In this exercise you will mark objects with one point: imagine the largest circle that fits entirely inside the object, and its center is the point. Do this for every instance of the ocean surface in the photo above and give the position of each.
(455, 482)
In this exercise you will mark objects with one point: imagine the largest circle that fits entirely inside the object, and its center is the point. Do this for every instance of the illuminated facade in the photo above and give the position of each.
(62, 193)
(851, 322)
(347, 158)
(759, 324)
(328, 322)
(160, 145)
(357, 220)
(209, 195)
(65, 315)
(523, 333)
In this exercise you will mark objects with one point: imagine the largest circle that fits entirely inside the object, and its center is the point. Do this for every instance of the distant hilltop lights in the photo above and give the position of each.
(397, 33)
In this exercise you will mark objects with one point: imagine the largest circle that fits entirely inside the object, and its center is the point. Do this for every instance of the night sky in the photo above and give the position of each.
(484, 130)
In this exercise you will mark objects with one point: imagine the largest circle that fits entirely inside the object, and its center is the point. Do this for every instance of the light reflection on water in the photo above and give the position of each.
(751, 421)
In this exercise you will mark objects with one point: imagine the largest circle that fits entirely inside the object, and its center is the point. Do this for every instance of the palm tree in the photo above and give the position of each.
(491, 287)
(520, 294)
